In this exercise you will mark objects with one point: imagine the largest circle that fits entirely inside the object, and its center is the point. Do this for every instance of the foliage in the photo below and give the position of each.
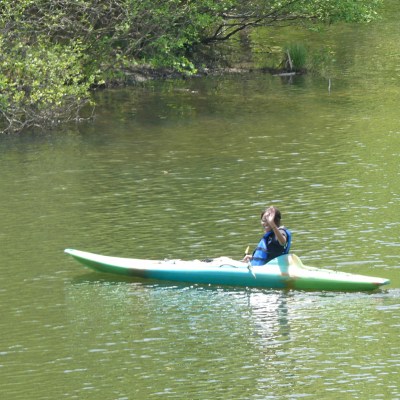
(41, 85)
(53, 51)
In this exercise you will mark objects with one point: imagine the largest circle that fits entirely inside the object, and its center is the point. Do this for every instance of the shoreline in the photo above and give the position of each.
(145, 73)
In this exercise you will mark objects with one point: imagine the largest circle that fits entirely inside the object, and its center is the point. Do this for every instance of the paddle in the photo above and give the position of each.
(249, 266)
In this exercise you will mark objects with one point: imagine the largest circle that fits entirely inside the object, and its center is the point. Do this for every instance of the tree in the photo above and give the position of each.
(244, 14)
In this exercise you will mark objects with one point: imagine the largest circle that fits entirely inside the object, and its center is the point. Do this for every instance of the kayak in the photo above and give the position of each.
(284, 272)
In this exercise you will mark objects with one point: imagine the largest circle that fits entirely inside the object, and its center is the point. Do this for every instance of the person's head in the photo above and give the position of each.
(268, 211)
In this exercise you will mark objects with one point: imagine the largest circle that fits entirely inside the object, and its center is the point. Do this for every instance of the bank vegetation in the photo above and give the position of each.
(54, 52)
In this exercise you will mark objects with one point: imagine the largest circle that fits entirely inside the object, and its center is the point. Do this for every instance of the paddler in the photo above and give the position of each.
(276, 240)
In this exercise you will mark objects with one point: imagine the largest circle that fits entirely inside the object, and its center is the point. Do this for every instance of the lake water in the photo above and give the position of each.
(181, 169)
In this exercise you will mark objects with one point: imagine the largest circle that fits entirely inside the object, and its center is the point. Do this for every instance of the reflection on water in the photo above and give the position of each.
(181, 341)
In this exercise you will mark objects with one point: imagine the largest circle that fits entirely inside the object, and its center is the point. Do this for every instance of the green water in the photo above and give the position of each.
(181, 170)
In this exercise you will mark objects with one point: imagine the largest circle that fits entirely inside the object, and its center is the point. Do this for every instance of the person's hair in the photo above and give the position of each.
(278, 215)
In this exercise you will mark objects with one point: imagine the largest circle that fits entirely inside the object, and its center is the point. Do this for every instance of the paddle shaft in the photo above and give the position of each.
(249, 266)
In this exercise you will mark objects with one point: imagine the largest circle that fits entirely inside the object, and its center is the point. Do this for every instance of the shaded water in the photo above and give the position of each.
(181, 170)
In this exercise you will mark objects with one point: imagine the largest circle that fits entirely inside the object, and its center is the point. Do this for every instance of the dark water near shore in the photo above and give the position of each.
(181, 169)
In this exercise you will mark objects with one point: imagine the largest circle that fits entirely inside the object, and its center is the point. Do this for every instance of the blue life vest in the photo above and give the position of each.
(269, 247)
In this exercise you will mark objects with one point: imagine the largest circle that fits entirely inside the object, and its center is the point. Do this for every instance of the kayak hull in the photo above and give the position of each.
(284, 272)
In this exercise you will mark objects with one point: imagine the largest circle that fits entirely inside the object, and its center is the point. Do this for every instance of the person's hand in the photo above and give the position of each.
(270, 216)
(247, 258)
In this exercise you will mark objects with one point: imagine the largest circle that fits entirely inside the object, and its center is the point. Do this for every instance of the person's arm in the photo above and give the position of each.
(279, 235)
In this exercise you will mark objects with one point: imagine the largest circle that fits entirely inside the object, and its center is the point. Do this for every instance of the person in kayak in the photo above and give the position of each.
(275, 242)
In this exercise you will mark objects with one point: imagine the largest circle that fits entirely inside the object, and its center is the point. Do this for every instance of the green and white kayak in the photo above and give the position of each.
(284, 272)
